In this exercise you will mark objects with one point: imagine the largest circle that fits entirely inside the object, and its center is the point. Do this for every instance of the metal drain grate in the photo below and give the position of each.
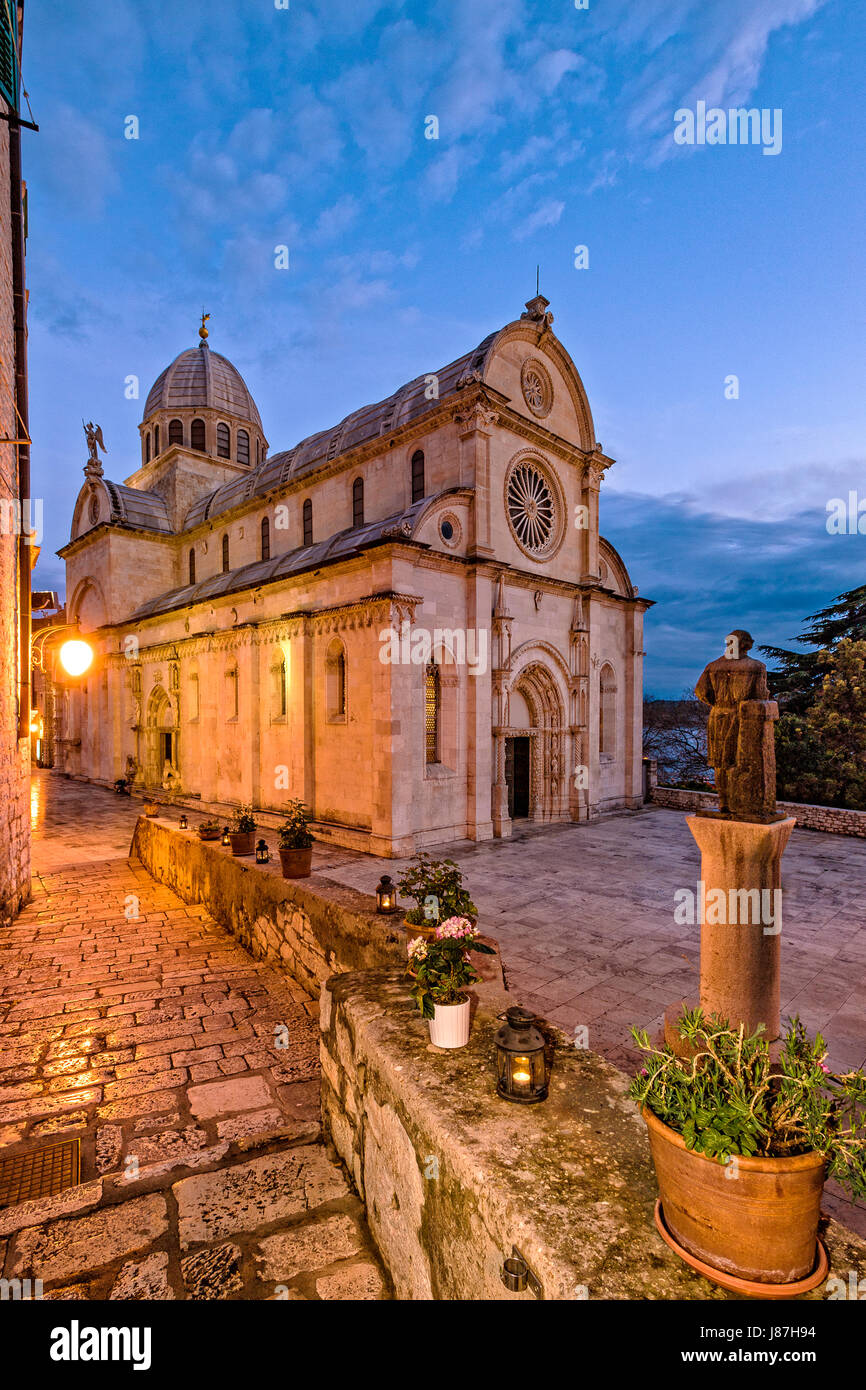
(40, 1173)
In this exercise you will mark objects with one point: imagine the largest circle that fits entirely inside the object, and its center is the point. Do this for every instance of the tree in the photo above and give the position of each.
(799, 675)
(838, 721)
(675, 734)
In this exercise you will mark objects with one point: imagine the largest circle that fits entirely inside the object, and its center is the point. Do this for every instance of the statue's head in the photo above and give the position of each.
(738, 643)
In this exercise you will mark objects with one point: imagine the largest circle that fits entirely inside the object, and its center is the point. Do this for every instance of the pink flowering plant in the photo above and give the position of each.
(731, 1097)
(441, 967)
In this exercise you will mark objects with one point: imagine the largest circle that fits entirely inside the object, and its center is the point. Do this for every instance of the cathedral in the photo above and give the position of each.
(409, 619)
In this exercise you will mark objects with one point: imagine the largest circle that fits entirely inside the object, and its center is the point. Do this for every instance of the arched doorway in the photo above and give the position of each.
(534, 751)
(161, 730)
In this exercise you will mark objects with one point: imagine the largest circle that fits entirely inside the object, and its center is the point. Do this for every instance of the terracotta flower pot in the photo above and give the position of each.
(449, 1026)
(296, 863)
(151, 808)
(208, 834)
(416, 929)
(242, 841)
(760, 1225)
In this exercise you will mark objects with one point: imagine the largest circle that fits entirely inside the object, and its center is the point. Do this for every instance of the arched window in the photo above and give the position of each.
(279, 688)
(175, 431)
(417, 476)
(243, 447)
(194, 696)
(266, 538)
(225, 554)
(335, 680)
(432, 711)
(147, 447)
(156, 441)
(192, 566)
(224, 441)
(607, 712)
(308, 522)
(196, 435)
(358, 502)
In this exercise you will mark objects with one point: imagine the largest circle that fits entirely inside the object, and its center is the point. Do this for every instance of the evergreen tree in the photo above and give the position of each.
(798, 676)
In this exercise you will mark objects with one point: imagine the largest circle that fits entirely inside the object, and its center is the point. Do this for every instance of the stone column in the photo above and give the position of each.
(501, 817)
(475, 422)
(740, 913)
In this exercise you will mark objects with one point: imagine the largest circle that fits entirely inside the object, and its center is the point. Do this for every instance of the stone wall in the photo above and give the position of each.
(312, 929)
(453, 1177)
(14, 753)
(835, 819)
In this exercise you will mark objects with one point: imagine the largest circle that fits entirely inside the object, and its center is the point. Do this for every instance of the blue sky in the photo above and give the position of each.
(305, 127)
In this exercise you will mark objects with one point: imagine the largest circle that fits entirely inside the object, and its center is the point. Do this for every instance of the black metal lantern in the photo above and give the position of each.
(226, 838)
(262, 855)
(521, 1064)
(184, 823)
(386, 895)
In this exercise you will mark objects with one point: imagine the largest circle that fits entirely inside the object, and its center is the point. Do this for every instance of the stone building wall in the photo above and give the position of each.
(14, 753)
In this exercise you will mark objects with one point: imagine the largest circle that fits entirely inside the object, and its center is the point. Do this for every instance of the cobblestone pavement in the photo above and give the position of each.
(190, 1074)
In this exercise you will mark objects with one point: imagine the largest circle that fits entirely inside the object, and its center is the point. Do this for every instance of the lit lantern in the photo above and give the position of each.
(226, 838)
(184, 823)
(76, 656)
(521, 1064)
(386, 895)
(262, 855)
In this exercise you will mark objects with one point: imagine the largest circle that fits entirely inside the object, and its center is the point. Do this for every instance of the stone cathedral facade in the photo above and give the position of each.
(409, 619)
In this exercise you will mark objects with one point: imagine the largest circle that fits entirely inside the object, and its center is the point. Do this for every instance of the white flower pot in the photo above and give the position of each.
(449, 1026)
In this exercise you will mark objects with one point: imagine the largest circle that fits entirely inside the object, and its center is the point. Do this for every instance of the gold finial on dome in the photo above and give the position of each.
(202, 332)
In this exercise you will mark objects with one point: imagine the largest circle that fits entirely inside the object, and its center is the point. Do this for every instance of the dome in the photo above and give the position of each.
(200, 379)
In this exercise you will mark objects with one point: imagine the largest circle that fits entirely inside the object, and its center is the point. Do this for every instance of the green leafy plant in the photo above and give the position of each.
(440, 966)
(294, 832)
(440, 879)
(729, 1097)
(209, 826)
(243, 821)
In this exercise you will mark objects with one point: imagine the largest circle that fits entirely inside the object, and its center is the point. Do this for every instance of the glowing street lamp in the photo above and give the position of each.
(76, 656)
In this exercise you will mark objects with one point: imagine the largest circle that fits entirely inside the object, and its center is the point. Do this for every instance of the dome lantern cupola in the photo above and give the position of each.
(201, 403)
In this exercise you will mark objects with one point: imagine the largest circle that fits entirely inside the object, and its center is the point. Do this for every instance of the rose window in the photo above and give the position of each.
(537, 387)
(531, 508)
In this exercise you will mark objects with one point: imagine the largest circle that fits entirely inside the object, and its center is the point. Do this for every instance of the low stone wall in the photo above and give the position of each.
(835, 819)
(310, 928)
(453, 1177)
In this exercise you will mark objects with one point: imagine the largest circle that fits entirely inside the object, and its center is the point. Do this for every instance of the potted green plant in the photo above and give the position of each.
(296, 842)
(442, 971)
(243, 829)
(209, 829)
(437, 887)
(742, 1144)
(151, 806)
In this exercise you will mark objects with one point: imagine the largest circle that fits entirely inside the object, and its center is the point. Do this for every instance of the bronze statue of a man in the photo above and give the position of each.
(740, 733)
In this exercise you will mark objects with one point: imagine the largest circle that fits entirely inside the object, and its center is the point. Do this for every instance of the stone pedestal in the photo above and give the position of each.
(739, 910)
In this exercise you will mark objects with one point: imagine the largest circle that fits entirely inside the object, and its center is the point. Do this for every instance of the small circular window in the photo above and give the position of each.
(93, 510)
(449, 530)
(537, 387)
(533, 509)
